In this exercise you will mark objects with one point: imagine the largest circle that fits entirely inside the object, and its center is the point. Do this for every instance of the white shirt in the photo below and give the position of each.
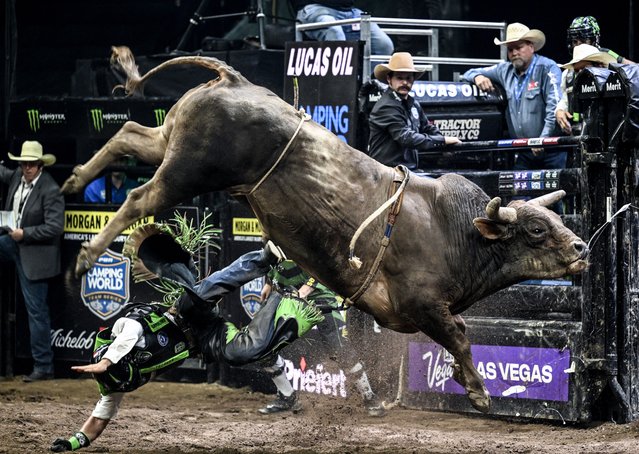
(128, 334)
(21, 196)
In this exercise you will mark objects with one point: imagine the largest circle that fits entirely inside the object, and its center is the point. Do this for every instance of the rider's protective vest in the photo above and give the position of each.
(166, 347)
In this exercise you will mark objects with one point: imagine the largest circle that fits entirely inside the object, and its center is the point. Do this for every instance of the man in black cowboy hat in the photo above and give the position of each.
(398, 126)
(32, 242)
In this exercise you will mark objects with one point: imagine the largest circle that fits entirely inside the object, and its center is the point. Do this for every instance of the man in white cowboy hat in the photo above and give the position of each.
(532, 84)
(33, 244)
(398, 126)
(582, 30)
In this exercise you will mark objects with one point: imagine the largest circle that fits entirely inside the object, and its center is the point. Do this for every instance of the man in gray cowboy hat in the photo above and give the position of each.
(33, 244)
(532, 83)
(398, 126)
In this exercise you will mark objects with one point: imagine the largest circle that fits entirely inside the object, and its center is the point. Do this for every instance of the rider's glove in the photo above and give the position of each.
(77, 441)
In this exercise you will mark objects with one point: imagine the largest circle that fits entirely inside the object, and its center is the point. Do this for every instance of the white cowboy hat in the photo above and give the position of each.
(586, 52)
(519, 32)
(32, 151)
(399, 62)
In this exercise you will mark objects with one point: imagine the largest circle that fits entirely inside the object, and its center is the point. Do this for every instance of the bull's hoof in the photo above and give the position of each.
(84, 262)
(480, 401)
(74, 183)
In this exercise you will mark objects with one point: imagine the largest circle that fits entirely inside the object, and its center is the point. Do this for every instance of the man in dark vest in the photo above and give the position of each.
(35, 212)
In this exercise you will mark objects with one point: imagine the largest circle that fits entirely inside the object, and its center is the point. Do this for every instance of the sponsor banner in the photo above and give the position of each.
(429, 93)
(505, 143)
(80, 221)
(326, 78)
(105, 287)
(513, 372)
(81, 307)
(514, 182)
(468, 125)
(550, 140)
(101, 118)
(613, 86)
(246, 229)
(520, 143)
(317, 379)
(250, 294)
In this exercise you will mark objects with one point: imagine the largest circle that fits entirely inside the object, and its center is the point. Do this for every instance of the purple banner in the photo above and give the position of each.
(514, 372)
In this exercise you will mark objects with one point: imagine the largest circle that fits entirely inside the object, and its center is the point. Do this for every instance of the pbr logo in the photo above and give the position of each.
(105, 288)
(250, 294)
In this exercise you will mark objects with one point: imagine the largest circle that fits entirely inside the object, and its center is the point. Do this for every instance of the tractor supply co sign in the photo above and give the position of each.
(514, 372)
(327, 77)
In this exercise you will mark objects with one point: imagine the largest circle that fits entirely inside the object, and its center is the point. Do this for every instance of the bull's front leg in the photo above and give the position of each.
(449, 331)
(150, 198)
(146, 144)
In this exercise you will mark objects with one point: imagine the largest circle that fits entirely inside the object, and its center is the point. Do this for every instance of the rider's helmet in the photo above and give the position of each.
(584, 29)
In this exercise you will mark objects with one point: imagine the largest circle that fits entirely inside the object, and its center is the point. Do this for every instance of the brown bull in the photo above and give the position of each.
(311, 192)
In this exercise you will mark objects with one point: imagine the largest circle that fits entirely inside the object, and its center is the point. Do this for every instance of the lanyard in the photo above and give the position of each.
(25, 190)
(522, 83)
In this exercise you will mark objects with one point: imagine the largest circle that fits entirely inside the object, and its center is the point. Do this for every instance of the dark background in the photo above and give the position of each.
(42, 40)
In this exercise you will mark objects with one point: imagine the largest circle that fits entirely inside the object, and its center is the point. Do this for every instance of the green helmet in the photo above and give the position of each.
(585, 29)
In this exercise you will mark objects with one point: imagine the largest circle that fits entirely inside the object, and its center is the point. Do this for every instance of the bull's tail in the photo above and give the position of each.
(122, 57)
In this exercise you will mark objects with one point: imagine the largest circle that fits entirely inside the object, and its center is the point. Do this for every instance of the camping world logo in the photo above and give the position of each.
(250, 295)
(105, 288)
(160, 115)
(34, 119)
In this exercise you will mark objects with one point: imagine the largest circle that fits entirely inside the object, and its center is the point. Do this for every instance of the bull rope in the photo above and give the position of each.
(304, 117)
(354, 261)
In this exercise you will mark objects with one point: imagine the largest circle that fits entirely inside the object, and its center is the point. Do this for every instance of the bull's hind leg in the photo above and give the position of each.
(156, 195)
(146, 144)
(448, 331)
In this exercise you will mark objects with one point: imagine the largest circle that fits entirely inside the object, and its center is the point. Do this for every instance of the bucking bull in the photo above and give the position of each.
(441, 246)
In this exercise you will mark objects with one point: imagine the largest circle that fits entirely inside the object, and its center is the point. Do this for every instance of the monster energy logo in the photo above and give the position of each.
(160, 115)
(96, 117)
(34, 119)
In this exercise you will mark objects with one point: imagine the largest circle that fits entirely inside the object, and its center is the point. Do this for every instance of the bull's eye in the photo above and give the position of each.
(537, 231)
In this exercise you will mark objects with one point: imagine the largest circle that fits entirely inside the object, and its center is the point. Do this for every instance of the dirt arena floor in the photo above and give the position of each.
(164, 417)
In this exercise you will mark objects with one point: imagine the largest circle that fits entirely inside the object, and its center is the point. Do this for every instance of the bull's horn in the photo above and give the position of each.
(496, 212)
(548, 199)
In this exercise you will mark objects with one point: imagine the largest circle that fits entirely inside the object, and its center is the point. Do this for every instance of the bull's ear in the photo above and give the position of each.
(490, 229)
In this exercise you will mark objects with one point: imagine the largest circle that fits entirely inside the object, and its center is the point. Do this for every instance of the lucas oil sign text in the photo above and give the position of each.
(309, 61)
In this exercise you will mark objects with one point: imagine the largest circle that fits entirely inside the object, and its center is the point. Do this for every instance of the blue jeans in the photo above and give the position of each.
(244, 269)
(381, 44)
(35, 300)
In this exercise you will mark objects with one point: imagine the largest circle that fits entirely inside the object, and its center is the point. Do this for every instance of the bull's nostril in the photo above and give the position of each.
(581, 248)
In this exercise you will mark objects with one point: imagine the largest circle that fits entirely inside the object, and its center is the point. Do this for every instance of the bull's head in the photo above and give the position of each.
(538, 242)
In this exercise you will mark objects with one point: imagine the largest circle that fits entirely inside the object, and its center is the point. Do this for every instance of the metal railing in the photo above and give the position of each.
(416, 27)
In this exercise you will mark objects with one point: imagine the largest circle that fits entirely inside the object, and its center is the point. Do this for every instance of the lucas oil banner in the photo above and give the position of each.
(327, 76)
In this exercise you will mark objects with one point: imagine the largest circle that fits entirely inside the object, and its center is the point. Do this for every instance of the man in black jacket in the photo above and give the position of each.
(33, 244)
(398, 126)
